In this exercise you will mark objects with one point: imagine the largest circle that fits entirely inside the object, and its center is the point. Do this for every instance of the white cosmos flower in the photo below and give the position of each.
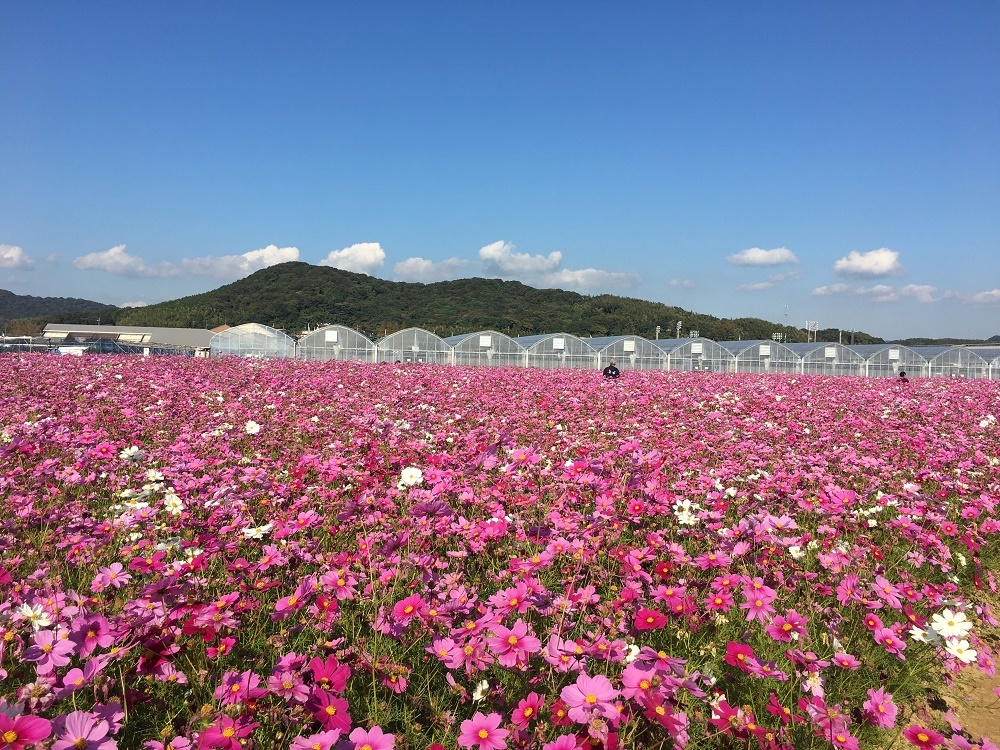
(251, 428)
(411, 476)
(257, 532)
(36, 615)
(632, 654)
(132, 454)
(172, 504)
(961, 651)
(951, 624)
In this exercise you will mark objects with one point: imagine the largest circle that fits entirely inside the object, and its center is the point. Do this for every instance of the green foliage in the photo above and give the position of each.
(293, 296)
(15, 306)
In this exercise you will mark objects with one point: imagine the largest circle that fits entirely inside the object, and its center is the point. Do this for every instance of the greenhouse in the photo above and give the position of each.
(252, 340)
(763, 356)
(991, 354)
(413, 345)
(629, 352)
(826, 358)
(487, 349)
(888, 360)
(697, 354)
(555, 350)
(954, 362)
(337, 343)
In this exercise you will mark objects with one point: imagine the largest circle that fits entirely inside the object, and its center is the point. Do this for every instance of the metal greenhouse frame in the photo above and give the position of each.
(629, 352)
(413, 345)
(253, 340)
(697, 355)
(763, 356)
(337, 343)
(954, 362)
(888, 360)
(828, 358)
(555, 350)
(486, 349)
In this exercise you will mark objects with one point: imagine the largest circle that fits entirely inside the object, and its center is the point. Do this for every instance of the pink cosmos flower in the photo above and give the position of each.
(372, 739)
(590, 696)
(483, 732)
(846, 661)
(329, 710)
(563, 742)
(21, 731)
(758, 608)
(892, 643)
(925, 739)
(880, 710)
(513, 646)
(784, 628)
(113, 575)
(49, 651)
(329, 673)
(80, 730)
(527, 710)
(408, 609)
(320, 741)
(226, 734)
(649, 619)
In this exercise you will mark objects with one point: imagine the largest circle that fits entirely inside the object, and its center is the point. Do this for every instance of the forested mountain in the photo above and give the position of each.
(296, 295)
(14, 306)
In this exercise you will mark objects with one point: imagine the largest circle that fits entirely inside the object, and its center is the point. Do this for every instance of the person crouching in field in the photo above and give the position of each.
(611, 372)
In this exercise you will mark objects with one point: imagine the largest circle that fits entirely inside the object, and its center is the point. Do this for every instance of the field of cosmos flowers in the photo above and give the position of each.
(229, 553)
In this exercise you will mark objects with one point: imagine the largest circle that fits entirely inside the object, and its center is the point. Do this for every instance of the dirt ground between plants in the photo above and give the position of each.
(978, 708)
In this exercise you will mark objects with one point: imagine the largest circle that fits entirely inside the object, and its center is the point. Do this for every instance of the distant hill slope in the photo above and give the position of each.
(295, 295)
(14, 306)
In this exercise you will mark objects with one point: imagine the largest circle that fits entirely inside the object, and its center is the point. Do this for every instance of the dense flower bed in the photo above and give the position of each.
(220, 554)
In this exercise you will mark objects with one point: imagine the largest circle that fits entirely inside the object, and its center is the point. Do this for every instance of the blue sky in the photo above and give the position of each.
(842, 159)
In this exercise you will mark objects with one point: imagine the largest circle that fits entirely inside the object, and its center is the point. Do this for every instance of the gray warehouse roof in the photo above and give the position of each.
(196, 338)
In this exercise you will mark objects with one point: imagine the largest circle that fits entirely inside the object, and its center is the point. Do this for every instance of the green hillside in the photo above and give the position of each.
(294, 296)
(15, 306)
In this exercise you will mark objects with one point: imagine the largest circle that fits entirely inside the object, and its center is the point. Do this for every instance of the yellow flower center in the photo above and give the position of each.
(10, 736)
(591, 699)
(408, 610)
(528, 711)
(331, 710)
(228, 732)
(483, 734)
(922, 737)
(512, 640)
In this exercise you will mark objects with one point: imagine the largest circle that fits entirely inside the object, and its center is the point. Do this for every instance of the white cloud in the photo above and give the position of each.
(238, 266)
(363, 257)
(116, 260)
(881, 262)
(779, 278)
(133, 304)
(680, 283)
(755, 256)
(826, 291)
(591, 279)
(12, 256)
(423, 270)
(880, 292)
(500, 259)
(546, 271)
(920, 292)
(992, 297)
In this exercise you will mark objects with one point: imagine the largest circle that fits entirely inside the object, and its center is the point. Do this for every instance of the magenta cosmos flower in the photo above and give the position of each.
(22, 731)
(925, 739)
(483, 732)
(590, 695)
(372, 739)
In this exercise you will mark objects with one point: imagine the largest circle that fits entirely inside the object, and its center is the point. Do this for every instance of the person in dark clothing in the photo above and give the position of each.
(903, 378)
(611, 372)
